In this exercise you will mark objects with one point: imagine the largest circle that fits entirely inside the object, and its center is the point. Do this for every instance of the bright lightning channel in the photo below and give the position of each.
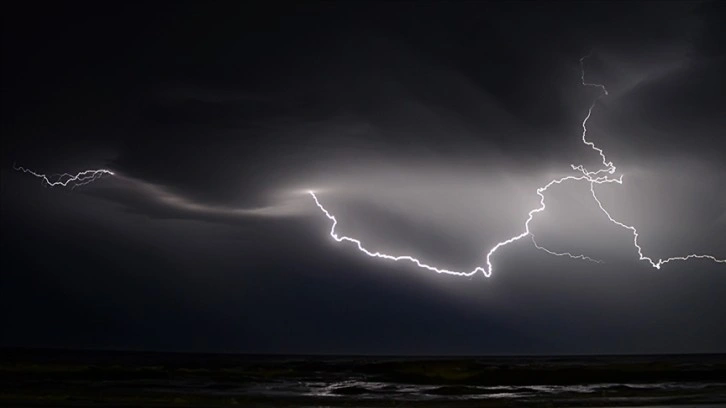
(64, 180)
(600, 176)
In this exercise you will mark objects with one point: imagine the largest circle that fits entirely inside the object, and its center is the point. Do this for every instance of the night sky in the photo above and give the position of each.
(424, 127)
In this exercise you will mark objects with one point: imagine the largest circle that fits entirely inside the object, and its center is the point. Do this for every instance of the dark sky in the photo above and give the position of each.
(425, 127)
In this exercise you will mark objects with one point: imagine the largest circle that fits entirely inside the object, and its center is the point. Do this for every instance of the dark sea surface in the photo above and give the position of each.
(125, 379)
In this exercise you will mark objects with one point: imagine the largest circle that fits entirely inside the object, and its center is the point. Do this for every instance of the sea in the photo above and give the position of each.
(73, 378)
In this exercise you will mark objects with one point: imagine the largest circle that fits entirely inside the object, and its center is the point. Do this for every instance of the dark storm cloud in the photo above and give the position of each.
(426, 127)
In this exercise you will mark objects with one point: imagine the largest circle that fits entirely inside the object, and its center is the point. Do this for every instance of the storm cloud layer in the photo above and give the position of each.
(426, 129)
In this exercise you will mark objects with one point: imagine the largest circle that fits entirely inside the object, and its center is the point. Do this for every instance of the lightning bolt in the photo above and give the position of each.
(568, 254)
(489, 267)
(603, 175)
(66, 179)
(642, 257)
(600, 176)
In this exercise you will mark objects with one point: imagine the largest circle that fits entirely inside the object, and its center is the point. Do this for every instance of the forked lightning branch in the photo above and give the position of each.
(601, 176)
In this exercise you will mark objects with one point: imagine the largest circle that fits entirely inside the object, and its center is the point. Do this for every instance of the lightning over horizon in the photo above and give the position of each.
(593, 177)
(603, 175)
